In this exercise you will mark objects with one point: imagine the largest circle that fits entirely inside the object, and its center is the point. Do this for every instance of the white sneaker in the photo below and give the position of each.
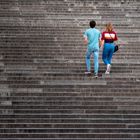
(87, 72)
(107, 72)
(96, 75)
(108, 67)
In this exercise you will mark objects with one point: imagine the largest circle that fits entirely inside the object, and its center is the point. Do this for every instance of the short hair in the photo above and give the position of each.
(92, 23)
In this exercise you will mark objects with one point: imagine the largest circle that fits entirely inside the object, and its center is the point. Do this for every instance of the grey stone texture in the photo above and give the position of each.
(44, 93)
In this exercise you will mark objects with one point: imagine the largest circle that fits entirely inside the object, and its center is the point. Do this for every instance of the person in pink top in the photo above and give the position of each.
(108, 38)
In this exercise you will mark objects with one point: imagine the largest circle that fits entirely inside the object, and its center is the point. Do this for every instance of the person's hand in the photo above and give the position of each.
(101, 47)
(85, 41)
(101, 44)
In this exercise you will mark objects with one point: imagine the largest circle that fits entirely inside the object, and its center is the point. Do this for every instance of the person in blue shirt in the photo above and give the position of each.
(92, 40)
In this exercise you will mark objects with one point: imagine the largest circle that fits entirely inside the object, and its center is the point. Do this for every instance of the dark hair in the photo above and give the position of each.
(92, 23)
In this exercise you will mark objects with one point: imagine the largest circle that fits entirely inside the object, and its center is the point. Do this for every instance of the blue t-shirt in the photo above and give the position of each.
(93, 35)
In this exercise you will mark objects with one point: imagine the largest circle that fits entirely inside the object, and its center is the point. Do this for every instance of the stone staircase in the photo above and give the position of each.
(44, 93)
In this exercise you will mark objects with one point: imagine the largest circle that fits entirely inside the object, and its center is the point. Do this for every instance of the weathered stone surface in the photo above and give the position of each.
(44, 93)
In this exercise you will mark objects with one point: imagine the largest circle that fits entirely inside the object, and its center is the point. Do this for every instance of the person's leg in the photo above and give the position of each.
(105, 54)
(110, 54)
(96, 62)
(88, 53)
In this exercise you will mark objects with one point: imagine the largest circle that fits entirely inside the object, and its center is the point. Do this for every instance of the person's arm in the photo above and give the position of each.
(101, 41)
(85, 40)
(116, 39)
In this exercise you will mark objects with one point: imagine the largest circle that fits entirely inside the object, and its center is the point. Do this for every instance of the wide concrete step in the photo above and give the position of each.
(65, 57)
(71, 135)
(91, 116)
(71, 106)
(55, 29)
(60, 126)
(71, 130)
(70, 139)
(127, 102)
(34, 93)
(134, 122)
(62, 35)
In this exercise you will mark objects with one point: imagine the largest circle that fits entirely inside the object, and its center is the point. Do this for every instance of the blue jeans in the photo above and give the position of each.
(108, 53)
(95, 53)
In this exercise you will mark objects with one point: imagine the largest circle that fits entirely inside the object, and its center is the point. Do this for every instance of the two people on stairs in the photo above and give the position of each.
(95, 40)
